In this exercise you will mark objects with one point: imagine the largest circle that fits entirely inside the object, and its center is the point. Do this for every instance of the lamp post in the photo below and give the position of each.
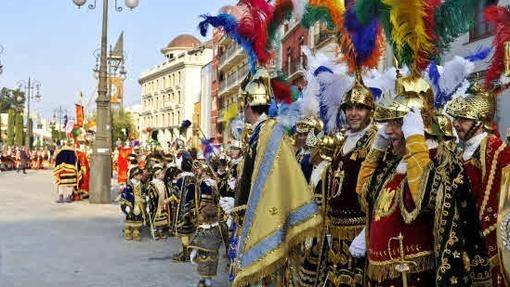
(29, 87)
(101, 160)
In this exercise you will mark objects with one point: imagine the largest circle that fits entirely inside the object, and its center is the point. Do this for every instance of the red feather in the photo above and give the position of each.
(254, 26)
(281, 91)
(499, 17)
(431, 6)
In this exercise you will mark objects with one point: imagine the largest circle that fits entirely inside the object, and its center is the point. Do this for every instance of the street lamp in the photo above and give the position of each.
(101, 160)
(29, 87)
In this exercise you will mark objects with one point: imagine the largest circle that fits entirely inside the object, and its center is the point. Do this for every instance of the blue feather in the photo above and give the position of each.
(440, 98)
(376, 92)
(363, 37)
(273, 108)
(480, 54)
(321, 69)
(229, 25)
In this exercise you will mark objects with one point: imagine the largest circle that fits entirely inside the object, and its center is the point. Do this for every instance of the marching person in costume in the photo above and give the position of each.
(66, 173)
(268, 207)
(186, 211)
(303, 128)
(417, 200)
(157, 201)
(211, 233)
(83, 186)
(133, 204)
(236, 158)
(484, 156)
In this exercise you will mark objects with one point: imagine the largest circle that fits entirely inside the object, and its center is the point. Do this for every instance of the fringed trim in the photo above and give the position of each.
(313, 228)
(345, 232)
(381, 271)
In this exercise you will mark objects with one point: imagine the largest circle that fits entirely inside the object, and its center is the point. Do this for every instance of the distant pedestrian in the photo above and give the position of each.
(22, 160)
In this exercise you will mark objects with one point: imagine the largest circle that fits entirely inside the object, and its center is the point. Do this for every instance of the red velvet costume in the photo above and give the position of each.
(83, 185)
(122, 164)
(484, 171)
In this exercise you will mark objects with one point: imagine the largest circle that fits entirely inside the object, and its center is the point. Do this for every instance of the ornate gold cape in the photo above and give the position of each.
(280, 212)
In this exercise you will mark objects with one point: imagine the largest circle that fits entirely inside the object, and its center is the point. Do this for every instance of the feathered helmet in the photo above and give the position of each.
(478, 105)
(309, 123)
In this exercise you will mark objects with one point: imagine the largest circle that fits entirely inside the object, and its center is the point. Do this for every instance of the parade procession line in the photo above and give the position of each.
(43, 243)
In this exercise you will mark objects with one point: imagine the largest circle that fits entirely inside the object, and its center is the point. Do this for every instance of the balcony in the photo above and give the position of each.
(295, 68)
(323, 37)
(232, 57)
(233, 80)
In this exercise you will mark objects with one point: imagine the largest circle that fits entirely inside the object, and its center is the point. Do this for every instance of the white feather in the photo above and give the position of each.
(454, 73)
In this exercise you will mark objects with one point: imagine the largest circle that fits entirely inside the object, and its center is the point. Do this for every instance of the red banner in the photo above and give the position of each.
(79, 115)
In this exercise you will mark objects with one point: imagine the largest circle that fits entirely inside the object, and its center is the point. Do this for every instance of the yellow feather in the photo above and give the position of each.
(408, 28)
(336, 9)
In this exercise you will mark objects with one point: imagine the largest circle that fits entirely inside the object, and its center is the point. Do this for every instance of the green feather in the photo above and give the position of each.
(454, 18)
(314, 14)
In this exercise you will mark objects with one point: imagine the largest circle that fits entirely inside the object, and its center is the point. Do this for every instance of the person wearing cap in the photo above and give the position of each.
(132, 204)
(313, 267)
(272, 197)
(486, 159)
(417, 198)
(304, 127)
(157, 201)
(187, 204)
(235, 153)
(345, 218)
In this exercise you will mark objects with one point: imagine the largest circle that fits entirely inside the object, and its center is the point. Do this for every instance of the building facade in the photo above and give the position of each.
(170, 89)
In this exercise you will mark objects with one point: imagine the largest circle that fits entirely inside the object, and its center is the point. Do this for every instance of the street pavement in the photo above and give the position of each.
(43, 243)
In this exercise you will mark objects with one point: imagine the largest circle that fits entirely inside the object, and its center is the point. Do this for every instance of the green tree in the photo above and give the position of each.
(18, 130)
(10, 127)
(122, 125)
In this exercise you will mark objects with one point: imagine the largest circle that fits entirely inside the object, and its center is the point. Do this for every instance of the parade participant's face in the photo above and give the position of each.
(357, 117)
(221, 170)
(235, 153)
(462, 127)
(396, 136)
(138, 177)
(301, 139)
(249, 115)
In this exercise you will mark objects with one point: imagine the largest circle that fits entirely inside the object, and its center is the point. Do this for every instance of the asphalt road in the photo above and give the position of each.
(43, 243)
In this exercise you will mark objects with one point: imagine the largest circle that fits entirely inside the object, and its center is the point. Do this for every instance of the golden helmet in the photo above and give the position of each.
(412, 91)
(478, 105)
(308, 123)
(445, 125)
(358, 95)
(256, 91)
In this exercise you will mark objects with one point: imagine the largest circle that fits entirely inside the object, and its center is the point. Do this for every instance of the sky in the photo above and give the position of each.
(53, 42)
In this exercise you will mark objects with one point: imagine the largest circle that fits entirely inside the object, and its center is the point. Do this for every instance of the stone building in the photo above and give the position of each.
(170, 89)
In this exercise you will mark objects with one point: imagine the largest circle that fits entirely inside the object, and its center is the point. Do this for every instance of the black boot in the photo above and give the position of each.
(60, 199)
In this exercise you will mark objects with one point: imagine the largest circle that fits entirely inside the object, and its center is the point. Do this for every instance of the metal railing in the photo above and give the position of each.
(233, 78)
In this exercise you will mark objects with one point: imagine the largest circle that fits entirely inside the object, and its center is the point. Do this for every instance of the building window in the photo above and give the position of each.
(481, 29)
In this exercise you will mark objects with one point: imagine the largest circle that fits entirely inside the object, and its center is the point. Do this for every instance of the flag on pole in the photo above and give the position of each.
(80, 116)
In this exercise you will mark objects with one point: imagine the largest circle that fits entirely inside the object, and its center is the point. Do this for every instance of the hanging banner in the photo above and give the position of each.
(80, 116)
(117, 92)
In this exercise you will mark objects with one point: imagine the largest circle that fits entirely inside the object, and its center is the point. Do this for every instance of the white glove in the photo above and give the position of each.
(192, 256)
(227, 204)
(381, 141)
(128, 209)
(229, 222)
(232, 183)
(358, 246)
(413, 123)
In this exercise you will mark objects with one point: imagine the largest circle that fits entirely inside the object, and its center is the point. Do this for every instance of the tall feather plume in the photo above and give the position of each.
(499, 17)
(409, 29)
(361, 45)
(229, 25)
(282, 11)
(254, 25)
(448, 80)
(454, 18)
(335, 9)
(315, 14)
(328, 81)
